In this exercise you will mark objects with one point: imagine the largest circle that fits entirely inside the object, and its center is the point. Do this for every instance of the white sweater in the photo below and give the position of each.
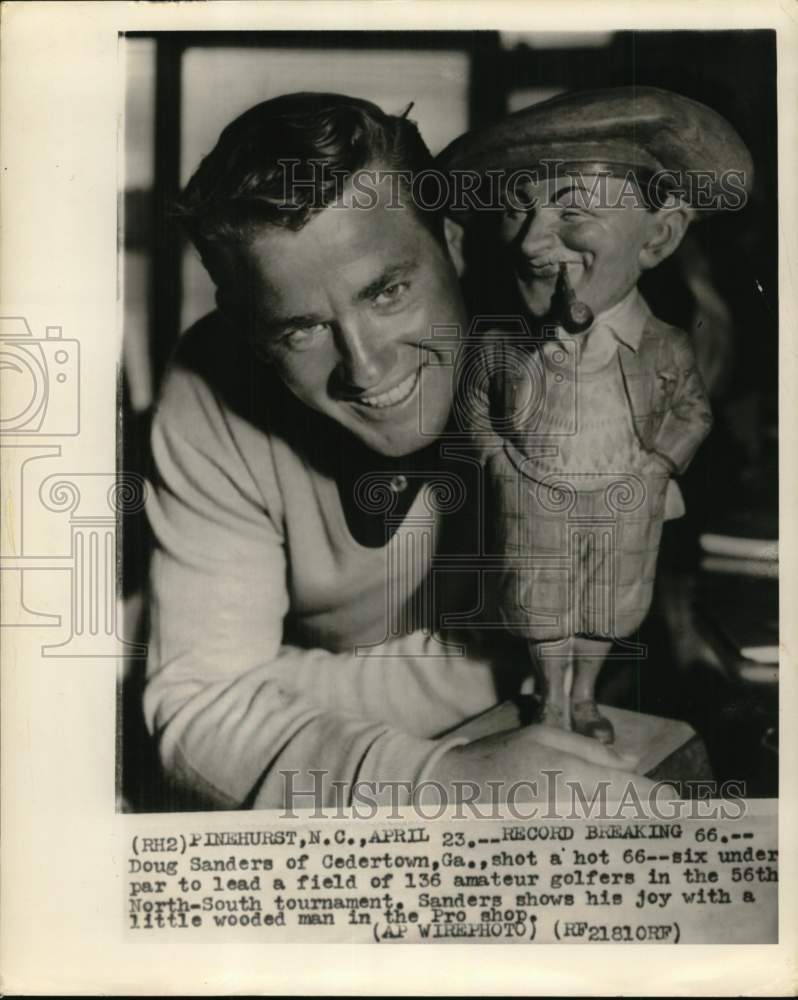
(262, 602)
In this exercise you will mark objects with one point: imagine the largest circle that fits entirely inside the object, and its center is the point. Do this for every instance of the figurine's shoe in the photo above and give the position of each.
(588, 721)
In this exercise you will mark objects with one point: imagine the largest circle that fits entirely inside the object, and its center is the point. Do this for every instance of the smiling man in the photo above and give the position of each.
(341, 310)
(295, 647)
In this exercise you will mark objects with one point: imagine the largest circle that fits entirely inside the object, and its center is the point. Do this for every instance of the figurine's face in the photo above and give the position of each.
(586, 222)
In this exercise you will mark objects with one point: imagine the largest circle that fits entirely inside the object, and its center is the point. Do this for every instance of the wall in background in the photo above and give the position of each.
(220, 83)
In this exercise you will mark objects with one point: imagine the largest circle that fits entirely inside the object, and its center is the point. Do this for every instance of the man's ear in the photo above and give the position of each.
(455, 239)
(668, 226)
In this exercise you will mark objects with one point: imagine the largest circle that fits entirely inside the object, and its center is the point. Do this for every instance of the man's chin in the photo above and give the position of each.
(408, 427)
(398, 443)
(392, 442)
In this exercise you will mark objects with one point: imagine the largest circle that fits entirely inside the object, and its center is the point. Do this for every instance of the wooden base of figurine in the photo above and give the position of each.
(666, 749)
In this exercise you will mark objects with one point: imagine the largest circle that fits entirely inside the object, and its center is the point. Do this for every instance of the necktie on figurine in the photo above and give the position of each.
(601, 404)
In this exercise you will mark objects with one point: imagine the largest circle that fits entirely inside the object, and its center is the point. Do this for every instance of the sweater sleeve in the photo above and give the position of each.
(240, 717)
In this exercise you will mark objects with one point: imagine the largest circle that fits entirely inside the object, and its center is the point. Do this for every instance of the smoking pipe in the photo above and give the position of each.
(575, 316)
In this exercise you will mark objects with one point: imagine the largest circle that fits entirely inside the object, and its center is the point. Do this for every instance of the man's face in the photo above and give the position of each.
(341, 309)
(578, 221)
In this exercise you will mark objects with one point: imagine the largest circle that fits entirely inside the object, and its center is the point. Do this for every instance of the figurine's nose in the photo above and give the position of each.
(537, 233)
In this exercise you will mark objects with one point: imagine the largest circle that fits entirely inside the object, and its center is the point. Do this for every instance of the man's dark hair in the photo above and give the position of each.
(286, 159)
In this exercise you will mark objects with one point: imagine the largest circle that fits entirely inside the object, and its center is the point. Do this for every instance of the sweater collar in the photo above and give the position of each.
(626, 320)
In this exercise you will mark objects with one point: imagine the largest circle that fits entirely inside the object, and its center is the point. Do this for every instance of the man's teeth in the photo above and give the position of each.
(398, 394)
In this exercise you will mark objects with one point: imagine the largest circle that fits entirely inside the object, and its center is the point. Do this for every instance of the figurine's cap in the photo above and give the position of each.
(640, 130)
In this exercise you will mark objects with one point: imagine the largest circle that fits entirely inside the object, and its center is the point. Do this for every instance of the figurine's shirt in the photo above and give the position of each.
(585, 426)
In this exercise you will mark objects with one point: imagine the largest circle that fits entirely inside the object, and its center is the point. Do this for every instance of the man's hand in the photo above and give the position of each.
(581, 746)
(520, 757)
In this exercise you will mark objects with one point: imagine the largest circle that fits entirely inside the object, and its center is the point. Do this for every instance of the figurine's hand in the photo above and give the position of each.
(655, 465)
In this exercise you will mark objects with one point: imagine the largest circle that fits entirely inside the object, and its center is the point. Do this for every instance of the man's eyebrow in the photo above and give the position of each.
(403, 268)
(280, 323)
(391, 273)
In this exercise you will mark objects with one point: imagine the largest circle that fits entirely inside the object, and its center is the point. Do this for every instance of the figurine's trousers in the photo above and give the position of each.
(579, 553)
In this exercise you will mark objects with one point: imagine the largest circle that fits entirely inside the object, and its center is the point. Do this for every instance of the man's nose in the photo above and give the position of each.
(365, 357)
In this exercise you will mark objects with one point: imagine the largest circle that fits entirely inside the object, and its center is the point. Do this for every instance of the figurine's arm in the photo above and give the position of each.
(689, 417)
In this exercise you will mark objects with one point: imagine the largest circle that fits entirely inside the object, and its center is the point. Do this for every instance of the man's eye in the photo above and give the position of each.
(391, 294)
(303, 337)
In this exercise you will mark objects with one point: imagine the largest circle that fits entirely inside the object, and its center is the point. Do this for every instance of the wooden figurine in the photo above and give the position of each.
(585, 416)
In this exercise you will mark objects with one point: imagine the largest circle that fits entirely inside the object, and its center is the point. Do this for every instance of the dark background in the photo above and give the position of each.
(184, 87)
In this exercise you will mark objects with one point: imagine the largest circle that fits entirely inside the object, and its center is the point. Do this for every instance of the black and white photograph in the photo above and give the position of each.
(382, 501)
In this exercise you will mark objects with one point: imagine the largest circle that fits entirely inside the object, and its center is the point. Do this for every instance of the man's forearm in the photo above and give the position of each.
(230, 738)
